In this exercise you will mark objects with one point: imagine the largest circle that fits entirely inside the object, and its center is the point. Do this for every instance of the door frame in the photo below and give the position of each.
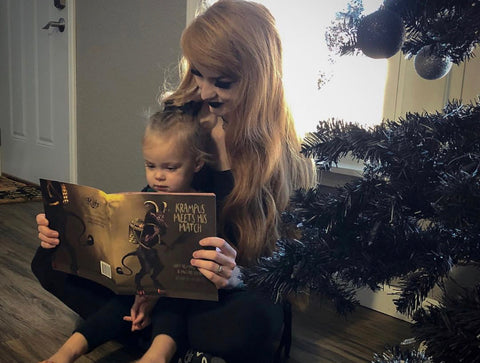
(72, 90)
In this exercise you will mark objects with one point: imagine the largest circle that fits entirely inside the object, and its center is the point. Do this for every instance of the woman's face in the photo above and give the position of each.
(218, 91)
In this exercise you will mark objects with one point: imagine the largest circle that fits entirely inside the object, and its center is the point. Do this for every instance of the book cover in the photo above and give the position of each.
(131, 242)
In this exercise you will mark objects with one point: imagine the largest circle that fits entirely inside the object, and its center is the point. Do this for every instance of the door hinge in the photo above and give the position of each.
(59, 4)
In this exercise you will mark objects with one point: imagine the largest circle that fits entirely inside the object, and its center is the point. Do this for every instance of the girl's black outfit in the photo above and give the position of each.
(242, 326)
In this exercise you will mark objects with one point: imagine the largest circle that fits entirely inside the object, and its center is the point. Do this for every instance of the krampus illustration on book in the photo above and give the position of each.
(147, 234)
(56, 199)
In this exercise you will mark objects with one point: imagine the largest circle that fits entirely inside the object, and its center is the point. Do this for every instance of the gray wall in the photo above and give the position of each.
(125, 49)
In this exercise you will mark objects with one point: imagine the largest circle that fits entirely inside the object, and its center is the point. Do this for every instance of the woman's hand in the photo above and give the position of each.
(218, 135)
(218, 265)
(140, 313)
(217, 126)
(48, 237)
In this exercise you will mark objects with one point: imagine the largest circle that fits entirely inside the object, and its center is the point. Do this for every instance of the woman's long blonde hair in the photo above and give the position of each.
(239, 39)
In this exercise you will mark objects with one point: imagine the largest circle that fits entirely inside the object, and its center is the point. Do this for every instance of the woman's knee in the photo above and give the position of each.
(242, 320)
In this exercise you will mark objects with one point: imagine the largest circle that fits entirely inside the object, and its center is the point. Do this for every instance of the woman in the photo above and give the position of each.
(232, 60)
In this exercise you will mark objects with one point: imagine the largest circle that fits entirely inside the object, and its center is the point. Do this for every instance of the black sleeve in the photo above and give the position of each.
(147, 189)
(223, 184)
(41, 266)
(208, 180)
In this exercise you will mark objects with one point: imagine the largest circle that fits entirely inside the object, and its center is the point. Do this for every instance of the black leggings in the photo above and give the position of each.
(241, 327)
(102, 311)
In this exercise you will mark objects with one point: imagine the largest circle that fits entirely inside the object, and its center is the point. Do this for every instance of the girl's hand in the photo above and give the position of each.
(140, 311)
(48, 237)
(218, 265)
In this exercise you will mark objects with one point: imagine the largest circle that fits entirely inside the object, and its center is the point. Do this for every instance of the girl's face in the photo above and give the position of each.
(220, 92)
(169, 166)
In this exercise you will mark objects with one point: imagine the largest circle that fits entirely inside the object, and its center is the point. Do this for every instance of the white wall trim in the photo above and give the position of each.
(382, 301)
(72, 90)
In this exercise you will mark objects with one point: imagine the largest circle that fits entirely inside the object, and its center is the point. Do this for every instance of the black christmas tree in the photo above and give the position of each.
(413, 215)
(415, 212)
(436, 32)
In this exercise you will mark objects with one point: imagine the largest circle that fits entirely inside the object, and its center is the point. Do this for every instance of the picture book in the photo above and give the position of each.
(133, 242)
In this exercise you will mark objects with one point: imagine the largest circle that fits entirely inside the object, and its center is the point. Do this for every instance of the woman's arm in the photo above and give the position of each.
(218, 264)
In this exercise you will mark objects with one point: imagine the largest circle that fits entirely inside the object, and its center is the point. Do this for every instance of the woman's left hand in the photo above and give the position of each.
(218, 265)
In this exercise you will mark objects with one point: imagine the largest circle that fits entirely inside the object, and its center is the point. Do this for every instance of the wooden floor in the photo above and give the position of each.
(33, 324)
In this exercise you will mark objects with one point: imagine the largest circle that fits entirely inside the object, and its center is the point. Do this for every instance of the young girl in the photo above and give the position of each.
(174, 147)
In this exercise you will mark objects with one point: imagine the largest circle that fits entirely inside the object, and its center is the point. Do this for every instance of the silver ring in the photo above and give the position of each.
(219, 269)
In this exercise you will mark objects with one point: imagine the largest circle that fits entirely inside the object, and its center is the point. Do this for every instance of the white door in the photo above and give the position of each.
(36, 125)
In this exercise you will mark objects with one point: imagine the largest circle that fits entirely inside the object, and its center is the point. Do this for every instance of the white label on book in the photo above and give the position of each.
(105, 269)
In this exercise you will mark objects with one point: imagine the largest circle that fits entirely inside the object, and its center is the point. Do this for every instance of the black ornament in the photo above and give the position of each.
(380, 34)
(431, 65)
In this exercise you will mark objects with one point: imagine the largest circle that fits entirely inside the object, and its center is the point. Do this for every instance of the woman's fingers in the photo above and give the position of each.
(41, 219)
(219, 243)
(48, 242)
(47, 232)
(217, 264)
(219, 281)
(48, 245)
(220, 260)
(207, 119)
(223, 271)
(48, 237)
(215, 258)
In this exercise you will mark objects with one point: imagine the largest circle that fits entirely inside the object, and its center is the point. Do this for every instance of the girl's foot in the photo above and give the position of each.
(161, 351)
(73, 348)
(61, 357)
